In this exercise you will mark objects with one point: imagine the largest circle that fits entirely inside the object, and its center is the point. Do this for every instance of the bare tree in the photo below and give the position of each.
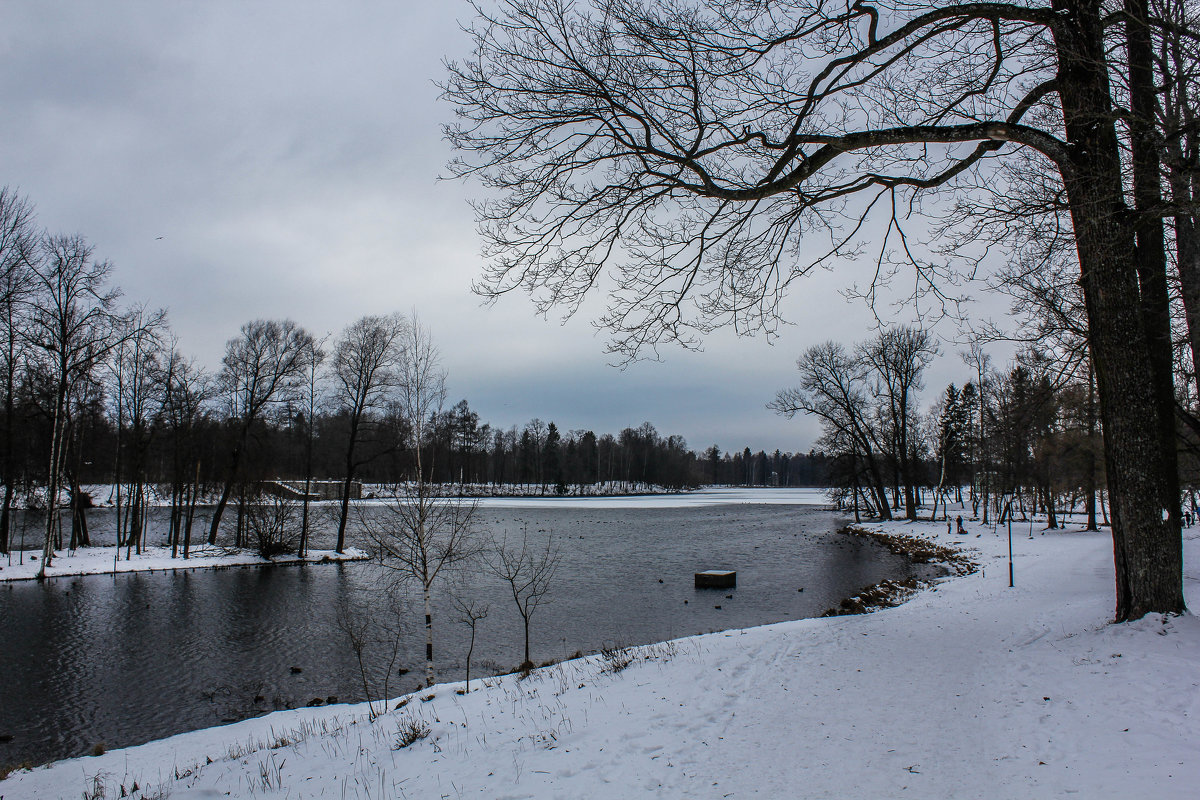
(528, 569)
(833, 385)
(274, 527)
(71, 331)
(978, 359)
(898, 356)
(369, 629)
(470, 613)
(261, 367)
(137, 374)
(417, 533)
(365, 358)
(187, 390)
(422, 538)
(692, 149)
(18, 247)
(421, 389)
(310, 399)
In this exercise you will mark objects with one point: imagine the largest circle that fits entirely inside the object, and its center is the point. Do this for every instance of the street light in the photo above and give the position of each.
(1010, 560)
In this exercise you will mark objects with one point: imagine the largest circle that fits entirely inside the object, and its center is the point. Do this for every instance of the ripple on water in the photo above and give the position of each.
(134, 657)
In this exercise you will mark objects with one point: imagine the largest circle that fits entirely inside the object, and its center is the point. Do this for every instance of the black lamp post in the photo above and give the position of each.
(1010, 559)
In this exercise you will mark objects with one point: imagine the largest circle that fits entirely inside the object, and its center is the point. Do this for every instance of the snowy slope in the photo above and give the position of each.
(971, 689)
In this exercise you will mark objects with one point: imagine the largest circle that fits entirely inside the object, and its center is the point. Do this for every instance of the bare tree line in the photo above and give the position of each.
(97, 392)
(1026, 439)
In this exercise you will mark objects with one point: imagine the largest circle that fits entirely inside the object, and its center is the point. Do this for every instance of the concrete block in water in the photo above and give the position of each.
(716, 579)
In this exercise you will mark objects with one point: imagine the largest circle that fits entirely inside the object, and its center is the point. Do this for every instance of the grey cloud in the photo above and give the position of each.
(288, 155)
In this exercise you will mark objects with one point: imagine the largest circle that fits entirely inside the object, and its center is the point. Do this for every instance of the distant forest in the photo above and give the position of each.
(97, 392)
(460, 449)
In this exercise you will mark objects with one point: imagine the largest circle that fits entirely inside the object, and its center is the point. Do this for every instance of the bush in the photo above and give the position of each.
(410, 731)
(615, 658)
(274, 527)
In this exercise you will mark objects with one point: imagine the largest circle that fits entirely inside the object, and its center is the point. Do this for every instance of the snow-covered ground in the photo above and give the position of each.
(104, 560)
(969, 690)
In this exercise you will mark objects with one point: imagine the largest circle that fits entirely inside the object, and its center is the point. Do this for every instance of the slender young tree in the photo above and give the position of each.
(528, 570)
(310, 400)
(374, 631)
(980, 361)
(470, 613)
(419, 535)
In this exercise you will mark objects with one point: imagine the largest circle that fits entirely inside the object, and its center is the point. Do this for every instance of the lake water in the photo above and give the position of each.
(128, 658)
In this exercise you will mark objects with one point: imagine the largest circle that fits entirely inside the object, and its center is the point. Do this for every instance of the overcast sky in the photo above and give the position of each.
(237, 160)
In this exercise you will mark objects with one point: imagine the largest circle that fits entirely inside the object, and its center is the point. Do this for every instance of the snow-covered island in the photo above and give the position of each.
(107, 560)
(969, 689)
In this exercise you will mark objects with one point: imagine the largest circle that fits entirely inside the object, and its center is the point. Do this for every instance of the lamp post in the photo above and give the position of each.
(1010, 558)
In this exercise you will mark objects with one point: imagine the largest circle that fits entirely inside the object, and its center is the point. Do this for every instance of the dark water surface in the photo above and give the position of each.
(128, 658)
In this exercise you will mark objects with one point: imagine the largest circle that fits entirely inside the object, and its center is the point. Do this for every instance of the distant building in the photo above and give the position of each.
(317, 490)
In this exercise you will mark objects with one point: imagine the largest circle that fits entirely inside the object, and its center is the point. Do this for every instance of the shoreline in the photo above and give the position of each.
(919, 550)
(100, 561)
(340, 717)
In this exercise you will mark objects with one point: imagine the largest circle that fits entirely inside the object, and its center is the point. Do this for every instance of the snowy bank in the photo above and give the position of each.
(970, 689)
(104, 561)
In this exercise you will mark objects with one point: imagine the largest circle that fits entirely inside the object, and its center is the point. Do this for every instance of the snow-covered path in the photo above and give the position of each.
(971, 689)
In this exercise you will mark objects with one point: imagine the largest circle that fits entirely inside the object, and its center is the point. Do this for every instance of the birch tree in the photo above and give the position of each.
(420, 536)
(72, 326)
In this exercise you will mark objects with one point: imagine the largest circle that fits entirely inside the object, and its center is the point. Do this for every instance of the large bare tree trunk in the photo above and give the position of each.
(1147, 538)
(1151, 251)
